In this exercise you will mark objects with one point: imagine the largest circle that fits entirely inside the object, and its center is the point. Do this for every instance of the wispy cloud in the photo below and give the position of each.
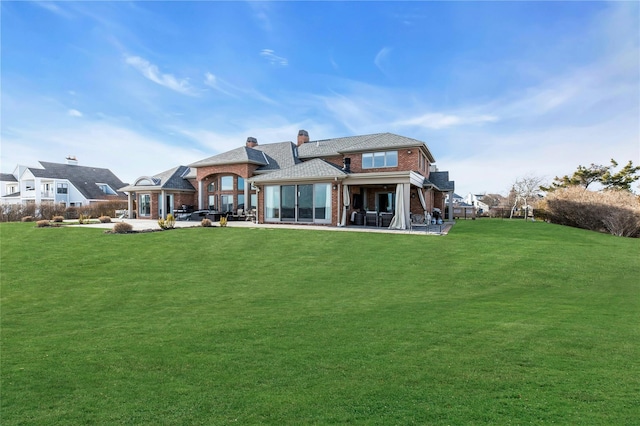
(381, 58)
(260, 14)
(223, 86)
(54, 8)
(152, 72)
(74, 113)
(219, 84)
(273, 59)
(440, 120)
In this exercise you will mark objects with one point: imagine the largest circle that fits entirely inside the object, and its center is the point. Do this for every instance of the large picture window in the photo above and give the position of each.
(298, 203)
(372, 160)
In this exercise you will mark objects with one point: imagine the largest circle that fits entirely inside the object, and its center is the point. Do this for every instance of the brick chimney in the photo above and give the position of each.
(303, 137)
(252, 142)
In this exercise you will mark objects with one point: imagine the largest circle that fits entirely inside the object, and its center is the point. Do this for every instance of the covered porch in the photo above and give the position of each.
(395, 200)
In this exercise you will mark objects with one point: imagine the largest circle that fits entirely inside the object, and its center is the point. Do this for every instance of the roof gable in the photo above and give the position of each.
(239, 155)
(373, 142)
(83, 178)
(172, 179)
(309, 170)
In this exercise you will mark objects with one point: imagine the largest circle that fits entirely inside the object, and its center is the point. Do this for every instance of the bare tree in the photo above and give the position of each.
(523, 191)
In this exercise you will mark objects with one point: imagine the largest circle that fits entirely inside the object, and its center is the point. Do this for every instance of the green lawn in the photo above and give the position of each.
(500, 322)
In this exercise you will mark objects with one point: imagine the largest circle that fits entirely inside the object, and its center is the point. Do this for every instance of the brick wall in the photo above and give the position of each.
(408, 159)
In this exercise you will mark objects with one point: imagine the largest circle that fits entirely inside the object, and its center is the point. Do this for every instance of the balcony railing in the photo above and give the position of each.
(31, 193)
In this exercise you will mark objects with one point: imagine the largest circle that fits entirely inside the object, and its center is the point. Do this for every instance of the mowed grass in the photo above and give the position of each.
(500, 322)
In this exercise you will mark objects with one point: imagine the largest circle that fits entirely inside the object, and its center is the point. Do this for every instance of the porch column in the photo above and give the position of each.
(247, 197)
(450, 209)
(200, 195)
(130, 205)
(162, 204)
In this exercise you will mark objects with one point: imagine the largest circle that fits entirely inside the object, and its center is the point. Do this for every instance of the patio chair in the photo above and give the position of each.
(371, 218)
(418, 221)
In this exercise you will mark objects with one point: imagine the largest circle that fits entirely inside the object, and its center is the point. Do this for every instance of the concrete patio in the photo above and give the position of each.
(148, 224)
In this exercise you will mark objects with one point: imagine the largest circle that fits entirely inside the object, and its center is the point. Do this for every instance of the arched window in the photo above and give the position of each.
(226, 183)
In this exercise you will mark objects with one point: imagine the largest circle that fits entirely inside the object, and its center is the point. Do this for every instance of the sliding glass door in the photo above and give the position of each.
(305, 203)
(298, 203)
(288, 202)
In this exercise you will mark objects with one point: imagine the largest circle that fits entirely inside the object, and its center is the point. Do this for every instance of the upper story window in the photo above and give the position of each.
(240, 183)
(372, 160)
(12, 189)
(106, 189)
(62, 188)
(226, 183)
(211, 187)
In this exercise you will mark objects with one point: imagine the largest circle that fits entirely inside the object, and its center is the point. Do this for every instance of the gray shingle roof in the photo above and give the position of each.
(373, 142)
(7, 177)
(271, 156)
(279, 155)
(312, 170)
(441, 181)
(172, 179)
(239, 155)
(82, 177)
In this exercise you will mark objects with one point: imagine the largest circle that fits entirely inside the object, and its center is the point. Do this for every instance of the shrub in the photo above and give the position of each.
(104, 208)
(104, 219)
(71, 213)
(615, 212)
(206, 223)
(83, 219)
(168, 223)
(27, 219)
(42, 223)
(49, 210)
(58, 219)
(122, 228)
(12, 212)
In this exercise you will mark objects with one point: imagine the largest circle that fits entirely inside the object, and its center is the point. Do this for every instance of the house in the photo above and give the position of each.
(476, 201)
(456, 199)
(377, 179)
(64, 183)
(153, 197)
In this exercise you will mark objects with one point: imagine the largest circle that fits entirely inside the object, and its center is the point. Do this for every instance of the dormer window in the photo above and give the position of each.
(371, 160)
(106, 189)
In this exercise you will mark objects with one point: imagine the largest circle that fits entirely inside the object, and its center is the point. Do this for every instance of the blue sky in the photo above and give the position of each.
(497, 90)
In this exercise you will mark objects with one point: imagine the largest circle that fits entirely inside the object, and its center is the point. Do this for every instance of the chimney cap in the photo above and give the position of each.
(303, 132)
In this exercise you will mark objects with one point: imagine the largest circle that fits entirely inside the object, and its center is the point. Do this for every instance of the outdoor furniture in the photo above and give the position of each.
(371, 218)
(359, 219)
(418, 221)
(385, 219)
(250, 216)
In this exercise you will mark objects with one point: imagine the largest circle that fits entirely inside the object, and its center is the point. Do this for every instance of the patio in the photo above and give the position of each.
(146, 224)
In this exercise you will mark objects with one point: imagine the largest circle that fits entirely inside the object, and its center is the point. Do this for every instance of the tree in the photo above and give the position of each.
(595, 173)
(621, 180)
(524, 190)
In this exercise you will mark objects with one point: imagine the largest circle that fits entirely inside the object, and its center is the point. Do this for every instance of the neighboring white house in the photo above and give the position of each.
(68, 184)
(476, 201)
